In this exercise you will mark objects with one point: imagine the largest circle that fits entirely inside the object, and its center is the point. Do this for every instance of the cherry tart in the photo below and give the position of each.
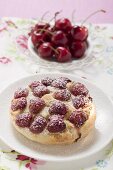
(53, 111)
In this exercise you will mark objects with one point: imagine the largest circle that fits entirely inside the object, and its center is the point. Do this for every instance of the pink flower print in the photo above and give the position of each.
(11, 24)
(4, 60)
(22, 157)
(22, 41)
(34, 161)
(3, 28)
(31, 162)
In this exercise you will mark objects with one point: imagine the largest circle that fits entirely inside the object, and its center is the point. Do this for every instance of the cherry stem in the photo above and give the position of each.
(41, 30)
(73, 16)
(55, 15)
(42, 18)
(92, 15)
(54, 50)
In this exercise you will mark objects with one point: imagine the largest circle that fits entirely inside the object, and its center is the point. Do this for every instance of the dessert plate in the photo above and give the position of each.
(97, 139)
(87, 59)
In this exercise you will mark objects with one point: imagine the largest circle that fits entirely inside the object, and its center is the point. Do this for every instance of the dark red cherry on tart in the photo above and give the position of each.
(63, 95)
(79, 33)
(60, 82)
(19, 104)
(67, 80)
(38, 125)
(34, 84)
(78, 49)
(56, 124)
(63, 55)
(47, 81)
(79, 101)
(36, 105)
(21, 93)
(78, 89)
(45, 50)
(63, 24)
(39, 91)
(24, 120)
(58, 108)
(78, 118)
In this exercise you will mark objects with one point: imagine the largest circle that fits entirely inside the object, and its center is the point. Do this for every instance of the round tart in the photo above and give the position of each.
(53, 111)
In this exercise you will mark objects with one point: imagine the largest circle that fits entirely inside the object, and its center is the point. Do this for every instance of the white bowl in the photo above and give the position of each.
(98, 139)
(72, 65)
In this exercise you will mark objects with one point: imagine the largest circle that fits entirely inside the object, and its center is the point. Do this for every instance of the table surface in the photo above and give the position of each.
(16, 62)
(36, 8)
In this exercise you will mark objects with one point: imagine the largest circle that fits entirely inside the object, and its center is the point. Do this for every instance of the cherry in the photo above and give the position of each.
(24, 120)
(58, 107)
(63, 24)
(35, 84)
(56, 124)
(79, 101)
(45, 50)
(38, 125)
(59, 38)
(63, 54)
(78, 49)
(41, 25)
(70, 39)
(19, 104)
(78, 89)
(36, 105)
(48, 34)
(21, 93)
(78, 118)
(60, 82)
(63, 95)
(47, 81)
(65, 79)
(39, 91)
(37, 38)
(79, 33)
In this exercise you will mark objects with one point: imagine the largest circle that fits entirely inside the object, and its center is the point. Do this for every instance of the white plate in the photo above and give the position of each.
(100, 137)
(74, 64)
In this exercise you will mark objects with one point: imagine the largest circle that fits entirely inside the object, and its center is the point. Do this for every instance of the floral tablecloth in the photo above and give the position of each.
(16, 62)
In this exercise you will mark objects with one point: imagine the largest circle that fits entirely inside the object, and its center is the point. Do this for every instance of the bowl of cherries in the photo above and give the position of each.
(60, 45)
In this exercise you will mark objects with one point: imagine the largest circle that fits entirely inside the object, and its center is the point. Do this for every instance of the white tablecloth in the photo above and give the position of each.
(16, 62)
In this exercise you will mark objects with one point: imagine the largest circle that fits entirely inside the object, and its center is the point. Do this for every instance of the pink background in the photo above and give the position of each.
(36, 8)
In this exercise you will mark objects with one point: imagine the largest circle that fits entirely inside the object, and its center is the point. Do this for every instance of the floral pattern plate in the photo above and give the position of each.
(16, 62)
